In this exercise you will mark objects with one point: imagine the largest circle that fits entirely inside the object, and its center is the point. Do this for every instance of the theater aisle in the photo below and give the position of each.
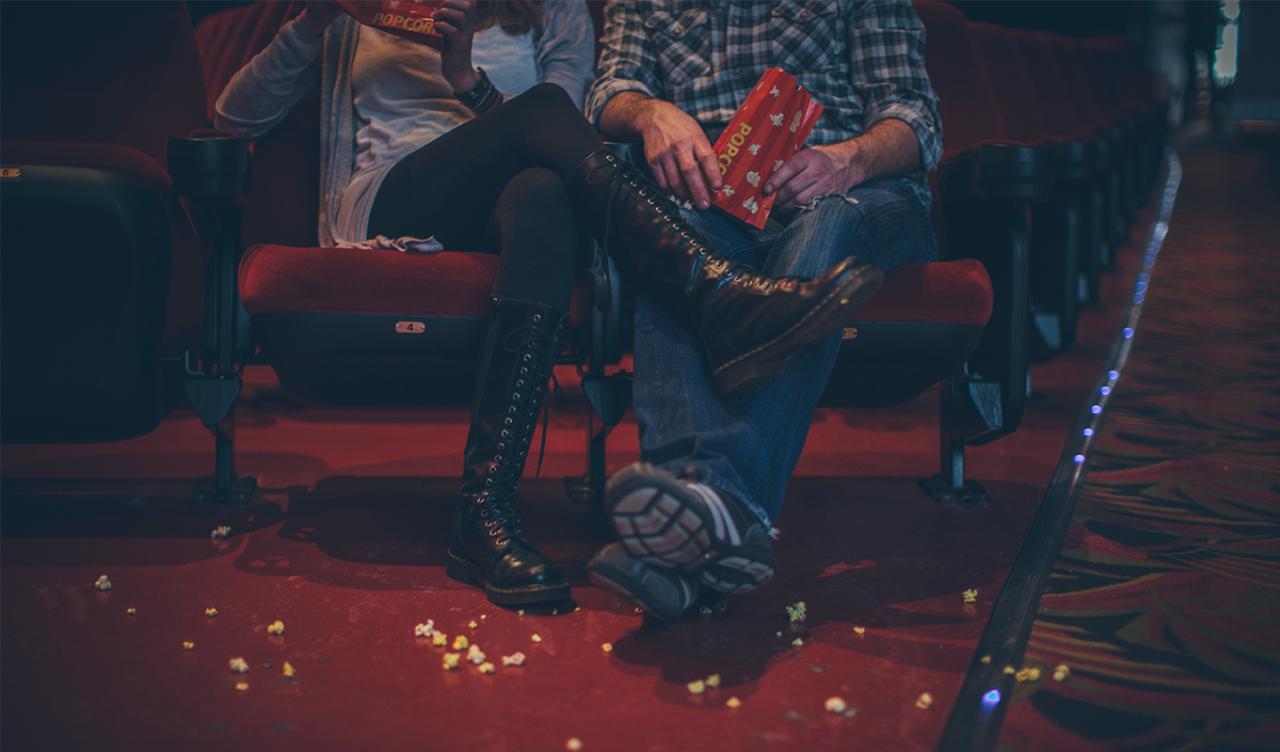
(1164, 602)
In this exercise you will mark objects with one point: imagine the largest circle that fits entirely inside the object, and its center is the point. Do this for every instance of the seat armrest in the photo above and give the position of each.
(1013, 171)
(1076, 160)
(209, 165)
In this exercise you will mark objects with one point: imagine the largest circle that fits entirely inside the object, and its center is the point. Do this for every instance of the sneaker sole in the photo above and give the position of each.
(752, 370)
(625, 585)
(662, 523)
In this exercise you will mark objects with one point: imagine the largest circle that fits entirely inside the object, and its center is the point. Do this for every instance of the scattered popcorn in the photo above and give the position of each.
(515, 659)
(1010, 670)
(242, 686)
(733, 703)
(102, 583)
(576, 609)
(986, 659)
(924, 701)
(188, 645)
(697, 687)
(221, 531)
(573, 744)
(486, 616)
(796, 612)
(238, 665)
(638, 610)
(276, 627)
(859, 630)
(835, 705)
(476, 655)
(797, 642)
(520, 612)
(536, 637)
(461, 642)
(131, 611)
(473, 624)
(450, 661)
(425, 630)
(487, 668)
(713, 681)
(607, 647)
(439, 639)
(288, 670)
(211, 612)
(970, 595)
(1028, 675)
(1061, 672)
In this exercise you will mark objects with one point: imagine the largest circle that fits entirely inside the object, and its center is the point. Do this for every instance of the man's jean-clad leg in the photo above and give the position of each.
(748, 445)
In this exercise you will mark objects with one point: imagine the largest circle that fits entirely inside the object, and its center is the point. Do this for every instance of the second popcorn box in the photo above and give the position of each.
(413, 19)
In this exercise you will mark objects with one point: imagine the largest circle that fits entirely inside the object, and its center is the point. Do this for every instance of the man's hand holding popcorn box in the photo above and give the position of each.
(771, 125)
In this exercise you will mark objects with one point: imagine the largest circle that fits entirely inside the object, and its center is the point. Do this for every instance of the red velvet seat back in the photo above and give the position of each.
(1011, 82)
(284, 200)
(1056, 100)
(965, 99)
(118, 73)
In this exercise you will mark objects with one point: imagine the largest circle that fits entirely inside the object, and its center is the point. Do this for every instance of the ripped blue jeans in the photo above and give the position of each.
(748, 445)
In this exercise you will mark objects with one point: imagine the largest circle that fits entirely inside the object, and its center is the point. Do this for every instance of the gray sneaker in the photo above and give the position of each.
(663, 593)
(684, 525)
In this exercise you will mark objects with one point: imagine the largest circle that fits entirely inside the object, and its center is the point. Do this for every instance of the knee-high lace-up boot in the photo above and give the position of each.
(749, 323)
(488, 546)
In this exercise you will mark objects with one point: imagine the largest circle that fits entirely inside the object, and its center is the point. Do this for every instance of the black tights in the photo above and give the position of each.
(496, 184)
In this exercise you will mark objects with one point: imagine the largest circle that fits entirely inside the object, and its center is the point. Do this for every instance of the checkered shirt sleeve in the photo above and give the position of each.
(627, 59)
(886, 49)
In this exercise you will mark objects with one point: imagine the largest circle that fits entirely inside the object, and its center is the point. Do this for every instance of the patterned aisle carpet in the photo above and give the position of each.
(1164, 601)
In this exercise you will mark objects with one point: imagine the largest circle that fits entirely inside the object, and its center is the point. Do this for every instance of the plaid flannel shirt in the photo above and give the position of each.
(863, 60)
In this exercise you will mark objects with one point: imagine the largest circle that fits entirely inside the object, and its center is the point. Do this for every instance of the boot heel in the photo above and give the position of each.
(463, 571)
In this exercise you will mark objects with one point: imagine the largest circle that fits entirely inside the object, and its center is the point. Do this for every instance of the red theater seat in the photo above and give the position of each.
(101, 268)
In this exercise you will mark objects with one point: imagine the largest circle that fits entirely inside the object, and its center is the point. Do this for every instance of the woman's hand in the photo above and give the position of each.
(456, 22)
(319, 14)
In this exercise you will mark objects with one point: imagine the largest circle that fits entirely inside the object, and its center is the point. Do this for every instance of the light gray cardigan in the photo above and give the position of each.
(261, 94)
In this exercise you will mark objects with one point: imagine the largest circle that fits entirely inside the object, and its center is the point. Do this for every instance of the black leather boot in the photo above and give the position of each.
(488, 546)
(749, 323)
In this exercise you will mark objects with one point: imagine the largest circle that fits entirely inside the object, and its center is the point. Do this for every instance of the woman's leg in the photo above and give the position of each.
(449, 187)
(532, 224)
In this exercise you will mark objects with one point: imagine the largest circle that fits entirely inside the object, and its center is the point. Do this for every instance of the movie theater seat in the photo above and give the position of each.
(101, 267)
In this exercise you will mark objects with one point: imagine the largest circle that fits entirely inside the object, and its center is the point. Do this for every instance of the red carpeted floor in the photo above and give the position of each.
(348, 552)
(1165, 599)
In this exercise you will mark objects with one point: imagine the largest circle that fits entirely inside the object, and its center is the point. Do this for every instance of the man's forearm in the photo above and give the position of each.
(887, 149)
(622, 118)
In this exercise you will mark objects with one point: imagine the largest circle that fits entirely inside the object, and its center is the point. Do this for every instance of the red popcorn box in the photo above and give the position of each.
(771, 125)
(411, 19)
